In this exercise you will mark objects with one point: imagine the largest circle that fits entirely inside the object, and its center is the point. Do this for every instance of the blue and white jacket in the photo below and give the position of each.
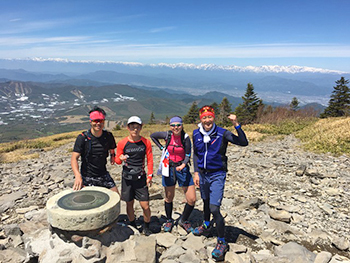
(211, 156)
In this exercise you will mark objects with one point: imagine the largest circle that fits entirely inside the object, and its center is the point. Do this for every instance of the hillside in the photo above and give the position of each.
(34, 109)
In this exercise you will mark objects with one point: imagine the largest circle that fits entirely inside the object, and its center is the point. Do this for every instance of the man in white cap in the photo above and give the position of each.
(131, 151)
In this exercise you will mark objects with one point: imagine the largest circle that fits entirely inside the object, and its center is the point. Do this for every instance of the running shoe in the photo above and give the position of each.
(220, 250)
(168, 226)
(186, 225)
(200, 230)
(146, 231)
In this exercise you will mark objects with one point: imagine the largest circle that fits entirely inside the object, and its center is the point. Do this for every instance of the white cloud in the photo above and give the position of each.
(15, 20)
(92, 48)
(162, 29)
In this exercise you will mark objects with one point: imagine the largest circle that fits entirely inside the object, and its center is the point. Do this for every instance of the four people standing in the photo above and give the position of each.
(209, 158)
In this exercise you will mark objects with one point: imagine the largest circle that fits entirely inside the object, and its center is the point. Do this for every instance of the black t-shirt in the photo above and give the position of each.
(94, 164)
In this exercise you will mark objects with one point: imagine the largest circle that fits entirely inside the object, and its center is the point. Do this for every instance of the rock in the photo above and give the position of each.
(318, 234)
(333, 191)
(232, 257)
(189, 256)
(280, 215)
(173, 252)
(313, 173)
(166, 240)
(15, 240)
(26, 209)
(252, 203)
(300, 170)
(339, 259)
(193, 243)
(7, 201)
(12, 230)
(323, 257)
(295, 253)
(328, 209)
(13, 255)
(141, 249)
(236, 248)
(341, 243)
(264, 256)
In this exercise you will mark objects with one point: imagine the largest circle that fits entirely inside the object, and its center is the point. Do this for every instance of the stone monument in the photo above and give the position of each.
(90, 208)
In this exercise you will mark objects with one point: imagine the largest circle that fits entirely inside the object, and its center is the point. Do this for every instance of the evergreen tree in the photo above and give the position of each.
(192, 115)
(339, 104)
(117, 127)
(248, 109)
(294, 105)
(224, 110)
(215, 106)
(152, 119)
(167, 119)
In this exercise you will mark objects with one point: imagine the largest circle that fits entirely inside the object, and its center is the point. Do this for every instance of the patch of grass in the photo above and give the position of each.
(331, 135)
(19, 150)
(284, 127)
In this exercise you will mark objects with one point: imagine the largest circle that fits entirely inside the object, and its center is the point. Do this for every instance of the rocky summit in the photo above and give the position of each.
(281, 204)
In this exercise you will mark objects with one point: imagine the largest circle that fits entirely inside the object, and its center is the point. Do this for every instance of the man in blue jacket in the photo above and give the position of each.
(210, 167)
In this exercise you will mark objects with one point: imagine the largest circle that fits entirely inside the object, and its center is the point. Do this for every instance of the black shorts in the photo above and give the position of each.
(137, 189)
(104, 181)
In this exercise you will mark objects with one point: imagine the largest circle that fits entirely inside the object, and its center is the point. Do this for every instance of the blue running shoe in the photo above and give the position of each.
(186, 225)
(168, 226)
(200, 230)
(220, 250)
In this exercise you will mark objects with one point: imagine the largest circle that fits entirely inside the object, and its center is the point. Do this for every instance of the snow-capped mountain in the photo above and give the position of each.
(292, 69)
(271, 82)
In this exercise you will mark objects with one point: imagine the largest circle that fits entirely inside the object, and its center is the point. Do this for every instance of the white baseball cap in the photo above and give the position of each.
(134, 119)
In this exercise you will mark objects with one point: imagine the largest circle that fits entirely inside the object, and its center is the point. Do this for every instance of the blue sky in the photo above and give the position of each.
(271, 32)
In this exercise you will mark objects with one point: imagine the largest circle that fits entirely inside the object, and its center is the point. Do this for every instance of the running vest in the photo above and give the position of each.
(211, 155)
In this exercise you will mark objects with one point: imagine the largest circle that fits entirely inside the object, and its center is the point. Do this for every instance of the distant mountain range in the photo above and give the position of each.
(272, 83)
(40, 97)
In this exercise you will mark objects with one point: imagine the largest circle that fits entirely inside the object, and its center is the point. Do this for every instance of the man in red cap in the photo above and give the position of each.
(94, 146)
(210, 167)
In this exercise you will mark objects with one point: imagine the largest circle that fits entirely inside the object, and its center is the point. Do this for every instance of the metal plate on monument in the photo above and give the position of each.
(90, 208)
(83, 200)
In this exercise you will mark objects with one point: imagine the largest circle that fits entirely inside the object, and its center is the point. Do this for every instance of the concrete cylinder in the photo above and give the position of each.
(91, 208)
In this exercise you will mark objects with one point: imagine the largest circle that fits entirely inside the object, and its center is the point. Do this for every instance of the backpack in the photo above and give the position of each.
(168, 139)
(87, 142)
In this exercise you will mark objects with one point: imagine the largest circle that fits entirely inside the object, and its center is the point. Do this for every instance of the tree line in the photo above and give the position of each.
(252, 109)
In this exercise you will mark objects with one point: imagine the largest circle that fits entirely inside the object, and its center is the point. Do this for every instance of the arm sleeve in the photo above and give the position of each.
(195, 157)
(187, 147)
(149, 155)
(241, 139)
(120, 150)
(156, 136)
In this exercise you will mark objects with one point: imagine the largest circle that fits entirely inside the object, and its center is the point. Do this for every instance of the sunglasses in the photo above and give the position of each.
(98, 120)
(175, 125)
